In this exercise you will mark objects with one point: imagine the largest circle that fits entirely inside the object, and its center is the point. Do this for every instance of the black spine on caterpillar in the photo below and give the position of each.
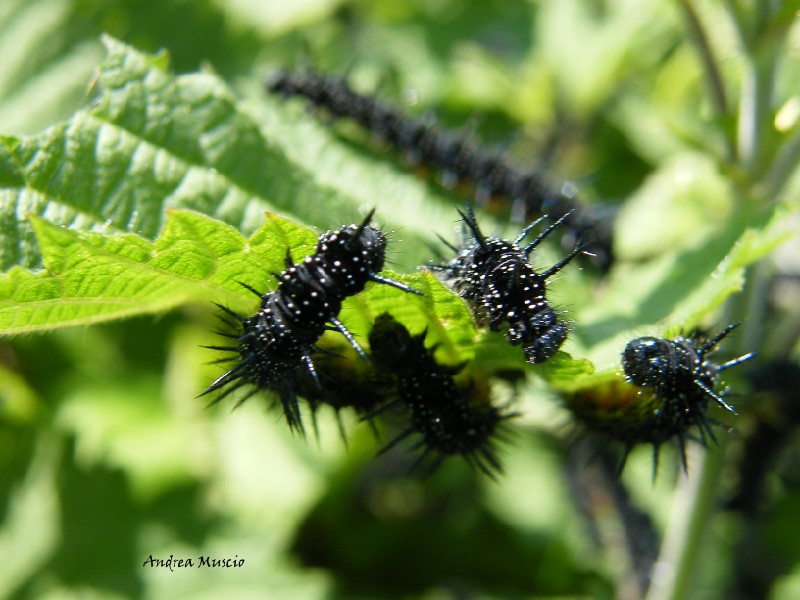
(498, 281)
(448, 418)
(681, 380)
(455, 155)
(343, 383)
(280, 338)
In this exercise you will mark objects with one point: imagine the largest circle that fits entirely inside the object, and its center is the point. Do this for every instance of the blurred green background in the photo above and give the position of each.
(106, 455)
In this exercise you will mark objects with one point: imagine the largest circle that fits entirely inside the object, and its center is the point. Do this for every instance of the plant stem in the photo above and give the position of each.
(693, 508)
(736, 15)
(782, 168)
(695, 499)
(754, 111)
(764, 46)
(716, 85)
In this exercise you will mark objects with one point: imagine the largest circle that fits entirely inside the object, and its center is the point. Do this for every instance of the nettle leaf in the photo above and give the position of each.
(46, 61)
(446, 317)
(153, 141)
(275, 18)
(682, 291)
(99, 203)
(765, 234)
(150, 142)
(91, 277)
(573, 378)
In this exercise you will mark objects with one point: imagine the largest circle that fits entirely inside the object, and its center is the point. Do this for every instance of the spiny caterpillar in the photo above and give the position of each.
(281, 337)
(450, 418)
(343, 382)
(676, 383)
(452, 153)
(498, 281)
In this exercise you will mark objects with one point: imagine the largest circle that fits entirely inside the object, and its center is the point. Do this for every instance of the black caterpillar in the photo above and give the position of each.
(498, 281)
(455, 155)
(343, 383)
(451, 419)
(280, 338)
(677, 382)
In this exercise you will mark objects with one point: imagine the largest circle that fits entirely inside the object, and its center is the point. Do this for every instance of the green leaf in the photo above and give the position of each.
(763, 236)
(589, 72)
(130, 427)
(99, 189)
(92, 277)
(47, 60)
(581, 376)
(18, 401)
(273, 17)
(151, 142)
(683, 289)
(445, 316)
(30, 530)
(562, 368)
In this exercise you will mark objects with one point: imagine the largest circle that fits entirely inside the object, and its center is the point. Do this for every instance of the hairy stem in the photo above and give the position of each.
(761, 38)
(782, 168)
(692, 511)
(714, 79)
(754, 112)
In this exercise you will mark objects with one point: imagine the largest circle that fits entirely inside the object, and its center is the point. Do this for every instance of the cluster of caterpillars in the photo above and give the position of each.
(673, 381)
(276, 348)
